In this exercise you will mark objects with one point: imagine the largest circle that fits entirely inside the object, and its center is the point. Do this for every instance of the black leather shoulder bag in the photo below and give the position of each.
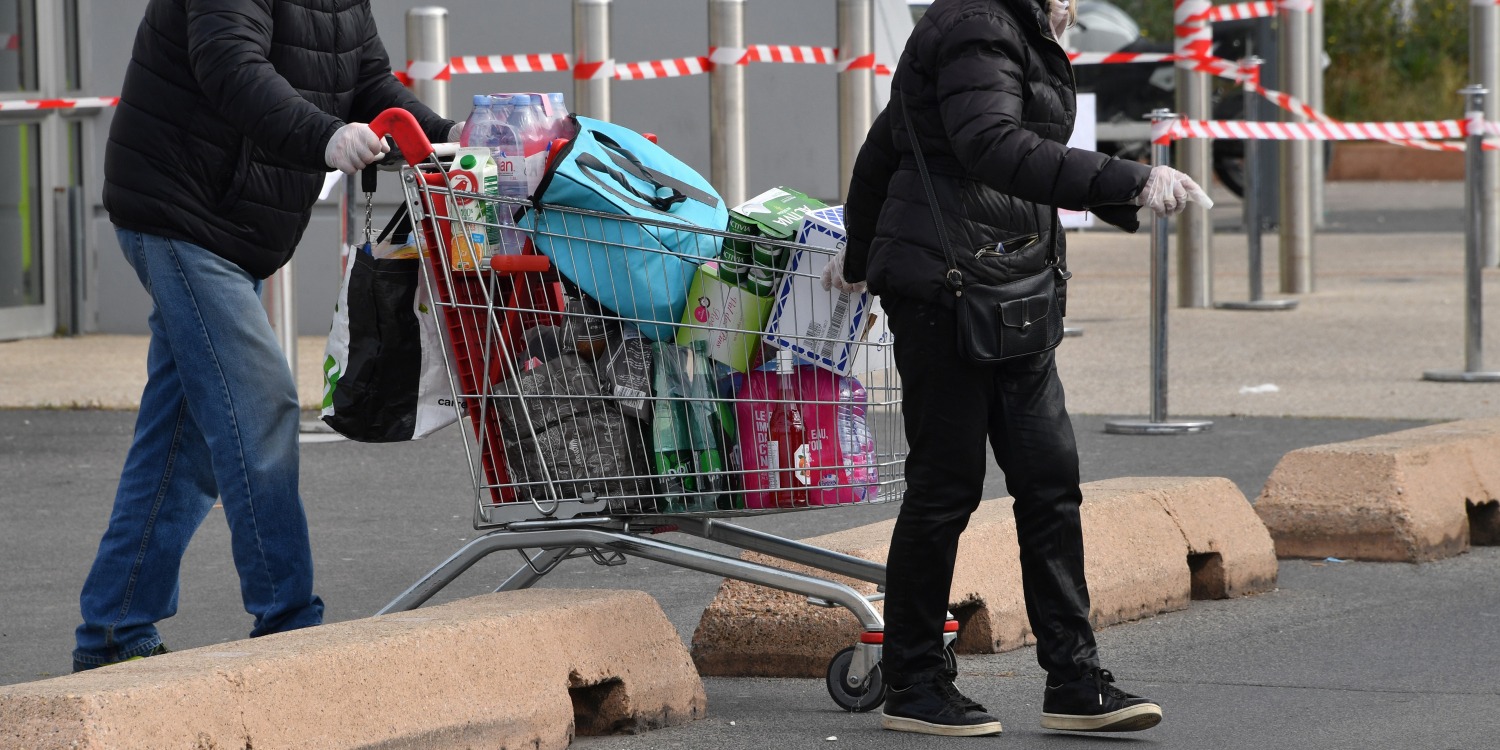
(997, 322)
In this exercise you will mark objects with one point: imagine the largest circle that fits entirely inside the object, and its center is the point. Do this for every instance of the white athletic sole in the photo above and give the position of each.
(903, 724)
(1131, 719)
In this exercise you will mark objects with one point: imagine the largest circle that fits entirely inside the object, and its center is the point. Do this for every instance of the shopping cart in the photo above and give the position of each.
(594, 431)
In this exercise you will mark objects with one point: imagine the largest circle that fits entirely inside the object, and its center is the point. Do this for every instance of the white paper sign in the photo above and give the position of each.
(1085, 135)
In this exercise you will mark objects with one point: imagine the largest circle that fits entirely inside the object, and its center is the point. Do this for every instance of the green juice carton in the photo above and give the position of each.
(775, 214)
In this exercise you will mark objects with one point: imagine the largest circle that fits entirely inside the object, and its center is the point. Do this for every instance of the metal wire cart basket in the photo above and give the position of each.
(623, 380)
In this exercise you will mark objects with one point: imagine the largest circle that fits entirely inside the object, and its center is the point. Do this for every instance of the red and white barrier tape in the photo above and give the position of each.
(87, 102)
(1192, 36)
(594, 71)
(635, 71)
(682, 66)
(1257, 9)
(1314, 131)
(1296, 106)
(1217, 66)
(510, 64)
(781, 53)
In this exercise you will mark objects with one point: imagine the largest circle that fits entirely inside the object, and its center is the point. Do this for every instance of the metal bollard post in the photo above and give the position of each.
(281, 306)
(856, 37)
(1158, 424)
(1474, 181)
(1250, 68)
(1484, 70)
(427, 50)
(593, 67)
(726, 93)
(1317, 151)
(1296, 167)
(1195, 231)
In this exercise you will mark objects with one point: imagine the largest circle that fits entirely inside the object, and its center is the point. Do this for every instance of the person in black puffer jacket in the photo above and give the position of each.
(990, 94)
(231, 114)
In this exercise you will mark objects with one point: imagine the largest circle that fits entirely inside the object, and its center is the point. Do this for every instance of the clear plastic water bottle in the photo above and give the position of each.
(484, 129)
(856, 442)
(562, 127)
(481, 118)
(516, 111)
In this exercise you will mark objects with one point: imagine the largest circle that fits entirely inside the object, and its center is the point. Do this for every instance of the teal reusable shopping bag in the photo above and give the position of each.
(639, 261)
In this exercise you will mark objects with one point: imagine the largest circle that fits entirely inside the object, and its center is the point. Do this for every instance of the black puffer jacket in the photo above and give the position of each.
(991, 96)
(227, 108)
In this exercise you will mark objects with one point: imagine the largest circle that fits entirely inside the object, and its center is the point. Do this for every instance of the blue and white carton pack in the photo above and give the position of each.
(824, 328)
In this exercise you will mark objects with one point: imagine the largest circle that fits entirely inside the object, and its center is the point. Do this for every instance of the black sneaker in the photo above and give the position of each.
(1092, 703)
(934, 706)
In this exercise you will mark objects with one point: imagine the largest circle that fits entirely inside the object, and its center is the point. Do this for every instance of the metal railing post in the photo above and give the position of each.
(1157, 424)
(1296, 167)
(1484, 70)
(1250, 69)
(856, 39)
(427, 54)
(1474, 182)
(1317, 152)
(281, 307)
(593, 65)
(726, 93)
(1195, 231)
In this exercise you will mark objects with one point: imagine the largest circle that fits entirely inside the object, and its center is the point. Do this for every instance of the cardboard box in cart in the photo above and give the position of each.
(775, 214)
(824, 328)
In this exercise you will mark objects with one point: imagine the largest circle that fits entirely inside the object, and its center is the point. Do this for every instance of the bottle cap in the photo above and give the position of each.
(468, 162)
(482, 100)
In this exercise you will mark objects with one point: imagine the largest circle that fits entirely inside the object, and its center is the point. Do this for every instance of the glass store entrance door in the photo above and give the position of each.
(40, 161)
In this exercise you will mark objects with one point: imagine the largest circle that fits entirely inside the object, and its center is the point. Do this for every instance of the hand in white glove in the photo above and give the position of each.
(1058, 17)
(354, 147)
(833, 276)
(456, 131)
(1168, 191)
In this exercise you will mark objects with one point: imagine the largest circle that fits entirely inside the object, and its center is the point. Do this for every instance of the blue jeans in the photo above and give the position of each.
(218, 421)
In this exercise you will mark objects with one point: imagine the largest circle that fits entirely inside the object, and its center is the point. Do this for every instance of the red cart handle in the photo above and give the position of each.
(401, 125)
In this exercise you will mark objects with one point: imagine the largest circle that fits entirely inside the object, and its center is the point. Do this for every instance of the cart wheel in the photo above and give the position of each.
(950, 659)
(856, 700)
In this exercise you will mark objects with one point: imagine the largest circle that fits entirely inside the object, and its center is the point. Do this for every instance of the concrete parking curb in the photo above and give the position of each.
(522, 669)
(1409, 496)
(1152, 545)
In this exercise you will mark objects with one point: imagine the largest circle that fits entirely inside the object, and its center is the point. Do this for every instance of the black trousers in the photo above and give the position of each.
(950, 407)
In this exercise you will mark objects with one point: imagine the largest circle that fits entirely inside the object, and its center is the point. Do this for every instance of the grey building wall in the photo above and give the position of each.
(793, 138)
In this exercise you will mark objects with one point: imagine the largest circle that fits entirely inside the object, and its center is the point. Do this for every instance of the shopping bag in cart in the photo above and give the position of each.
(559, 426)
(383, 374)
(640, 264)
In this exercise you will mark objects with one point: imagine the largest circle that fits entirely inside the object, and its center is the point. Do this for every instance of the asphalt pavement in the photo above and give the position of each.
(1341, 655)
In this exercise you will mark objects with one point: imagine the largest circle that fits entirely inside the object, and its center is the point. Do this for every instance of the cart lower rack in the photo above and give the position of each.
(624, 379)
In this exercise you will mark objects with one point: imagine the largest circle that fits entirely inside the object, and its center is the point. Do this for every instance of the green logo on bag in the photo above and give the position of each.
(330, 380)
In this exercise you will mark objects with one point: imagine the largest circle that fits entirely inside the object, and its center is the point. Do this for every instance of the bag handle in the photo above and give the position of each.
(955, 277)
(632, 164)
(592, 163)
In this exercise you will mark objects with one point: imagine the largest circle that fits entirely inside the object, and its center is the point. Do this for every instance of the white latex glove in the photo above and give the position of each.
(1168, 191)
(1057, 17)
(456, 131)
(354, 147)
(833, 276)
